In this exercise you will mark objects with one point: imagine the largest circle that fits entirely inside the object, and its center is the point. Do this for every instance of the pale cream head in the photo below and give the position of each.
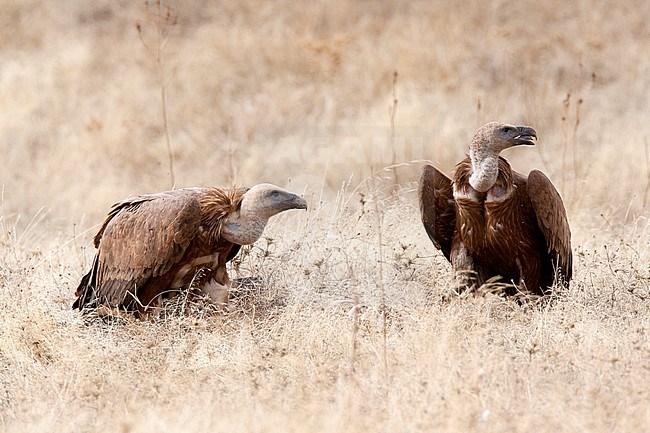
(258, 204)
(496, 136)
(487, 144)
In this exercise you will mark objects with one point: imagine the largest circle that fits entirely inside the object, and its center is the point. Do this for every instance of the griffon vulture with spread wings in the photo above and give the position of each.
(491, 221)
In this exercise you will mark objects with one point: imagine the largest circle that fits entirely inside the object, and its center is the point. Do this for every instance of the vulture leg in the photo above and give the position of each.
(218, 293)
(217, 288)
(465, 273)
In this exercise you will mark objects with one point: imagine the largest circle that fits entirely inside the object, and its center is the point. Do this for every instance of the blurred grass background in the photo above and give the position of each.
(298, 94)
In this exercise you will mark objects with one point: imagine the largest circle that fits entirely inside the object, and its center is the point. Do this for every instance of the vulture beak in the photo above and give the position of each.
(298, 202)
(527, 136)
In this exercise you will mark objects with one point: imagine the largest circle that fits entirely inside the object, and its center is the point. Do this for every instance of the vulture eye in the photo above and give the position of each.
(275, 194)
(506, 129)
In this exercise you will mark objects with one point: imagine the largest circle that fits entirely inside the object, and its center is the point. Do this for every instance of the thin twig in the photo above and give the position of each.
(574, 137)
(392, 111)
(354, 333)
(382, 288)
(647, 166)
(162, 20)
(566, 102)
(170, 155)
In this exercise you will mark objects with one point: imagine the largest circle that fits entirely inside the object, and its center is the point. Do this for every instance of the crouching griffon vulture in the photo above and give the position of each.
(491, 221)
(151, 244)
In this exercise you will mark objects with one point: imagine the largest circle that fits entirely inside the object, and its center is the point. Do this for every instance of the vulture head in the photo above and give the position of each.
(496, 136)
(258, 204)
(487, 144)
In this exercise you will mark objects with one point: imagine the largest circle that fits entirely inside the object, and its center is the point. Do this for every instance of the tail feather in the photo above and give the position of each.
(86, 290)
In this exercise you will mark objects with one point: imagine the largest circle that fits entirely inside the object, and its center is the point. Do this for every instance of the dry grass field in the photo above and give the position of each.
(299, 94)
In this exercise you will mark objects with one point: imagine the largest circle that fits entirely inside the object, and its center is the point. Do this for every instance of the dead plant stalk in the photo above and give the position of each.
(163, 19)
(382, 288)
(392, 111)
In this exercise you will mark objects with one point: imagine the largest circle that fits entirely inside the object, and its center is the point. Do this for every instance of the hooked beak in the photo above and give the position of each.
(527, 136)
(298, 202)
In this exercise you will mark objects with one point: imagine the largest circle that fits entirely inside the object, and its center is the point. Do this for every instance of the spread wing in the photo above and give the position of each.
(437, 208)
(143, 238)
(552, 220)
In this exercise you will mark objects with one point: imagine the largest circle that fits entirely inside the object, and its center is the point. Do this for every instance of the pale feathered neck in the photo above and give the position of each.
(485, 168)
(245, 226)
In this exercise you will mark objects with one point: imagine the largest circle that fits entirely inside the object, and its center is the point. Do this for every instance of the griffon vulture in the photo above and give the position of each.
(151, 244)
(491, 221)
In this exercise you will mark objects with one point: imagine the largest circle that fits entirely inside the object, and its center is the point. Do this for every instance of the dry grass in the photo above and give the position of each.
(299, 95)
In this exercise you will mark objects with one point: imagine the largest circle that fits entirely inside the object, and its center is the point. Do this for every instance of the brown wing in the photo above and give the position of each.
(552, 220)
(233, 252)
(143, 238)
(437, 208)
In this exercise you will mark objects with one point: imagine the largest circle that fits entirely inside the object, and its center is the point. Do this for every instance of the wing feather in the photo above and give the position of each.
(552, 220)
(143, 238)
(437, 208)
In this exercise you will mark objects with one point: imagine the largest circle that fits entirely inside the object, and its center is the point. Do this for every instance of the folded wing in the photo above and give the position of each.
(552, 220)
(437, 208)
(142, 238)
